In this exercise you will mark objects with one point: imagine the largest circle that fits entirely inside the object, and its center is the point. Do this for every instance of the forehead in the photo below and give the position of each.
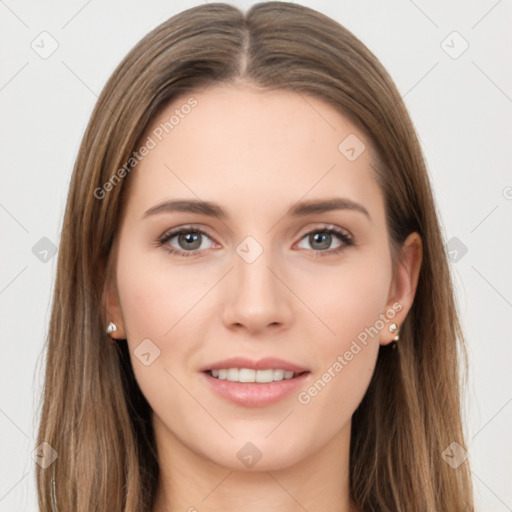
(247, 146)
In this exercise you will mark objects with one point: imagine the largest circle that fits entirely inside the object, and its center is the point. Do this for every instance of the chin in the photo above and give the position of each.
(255, 454)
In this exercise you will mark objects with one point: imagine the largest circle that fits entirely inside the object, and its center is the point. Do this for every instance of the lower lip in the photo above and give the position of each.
(253, 394)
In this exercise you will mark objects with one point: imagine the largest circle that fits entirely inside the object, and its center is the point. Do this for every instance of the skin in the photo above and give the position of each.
(255, 154)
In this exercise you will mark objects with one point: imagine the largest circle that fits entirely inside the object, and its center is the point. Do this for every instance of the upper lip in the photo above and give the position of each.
(267, 363)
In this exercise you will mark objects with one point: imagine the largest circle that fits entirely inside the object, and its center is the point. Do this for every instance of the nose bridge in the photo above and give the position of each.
(257, 297)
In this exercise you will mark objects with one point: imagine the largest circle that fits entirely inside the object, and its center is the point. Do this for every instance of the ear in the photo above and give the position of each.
(403, 284)
(110, 299)
(113, 310)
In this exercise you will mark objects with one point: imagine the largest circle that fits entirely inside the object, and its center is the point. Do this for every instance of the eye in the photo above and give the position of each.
(189, 241)
(321, 239)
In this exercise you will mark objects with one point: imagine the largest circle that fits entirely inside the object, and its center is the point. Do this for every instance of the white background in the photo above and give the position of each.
(462, 111)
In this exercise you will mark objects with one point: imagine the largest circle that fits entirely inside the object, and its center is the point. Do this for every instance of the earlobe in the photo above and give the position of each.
(403, 286)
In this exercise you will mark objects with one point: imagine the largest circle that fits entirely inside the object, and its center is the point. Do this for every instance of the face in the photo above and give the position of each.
(259, 275)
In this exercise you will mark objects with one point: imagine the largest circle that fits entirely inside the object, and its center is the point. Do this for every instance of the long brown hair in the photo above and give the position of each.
(93, 413)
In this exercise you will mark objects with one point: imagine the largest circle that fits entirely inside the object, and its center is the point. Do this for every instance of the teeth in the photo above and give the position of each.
(250, 375)
(232, 374)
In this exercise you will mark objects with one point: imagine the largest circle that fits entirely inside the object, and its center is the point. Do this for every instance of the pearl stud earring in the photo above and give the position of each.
(112, 327)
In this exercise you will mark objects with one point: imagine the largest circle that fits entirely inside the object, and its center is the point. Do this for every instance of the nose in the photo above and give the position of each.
(257, 298)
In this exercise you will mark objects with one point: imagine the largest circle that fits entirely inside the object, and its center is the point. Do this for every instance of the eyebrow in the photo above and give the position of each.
(297, 210)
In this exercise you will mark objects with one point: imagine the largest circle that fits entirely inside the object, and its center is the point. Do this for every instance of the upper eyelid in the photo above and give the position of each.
(326, 226)
(171, 233)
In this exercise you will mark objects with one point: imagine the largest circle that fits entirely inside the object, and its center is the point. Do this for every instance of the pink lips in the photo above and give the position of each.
(255, 394)
(267, 363)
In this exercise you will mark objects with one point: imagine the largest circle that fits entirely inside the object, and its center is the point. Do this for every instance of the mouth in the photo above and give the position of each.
(250, 383)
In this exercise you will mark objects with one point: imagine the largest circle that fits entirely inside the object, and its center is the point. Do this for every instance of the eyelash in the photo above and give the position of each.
(345, 238)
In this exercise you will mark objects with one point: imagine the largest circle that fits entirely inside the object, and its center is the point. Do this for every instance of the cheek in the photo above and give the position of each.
(155, 295)
(162, 303)
(157, 300)
(351, 302)
(332, 397)
(347, 298)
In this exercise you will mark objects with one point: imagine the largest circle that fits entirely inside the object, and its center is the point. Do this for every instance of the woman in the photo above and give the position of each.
(251, 225)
